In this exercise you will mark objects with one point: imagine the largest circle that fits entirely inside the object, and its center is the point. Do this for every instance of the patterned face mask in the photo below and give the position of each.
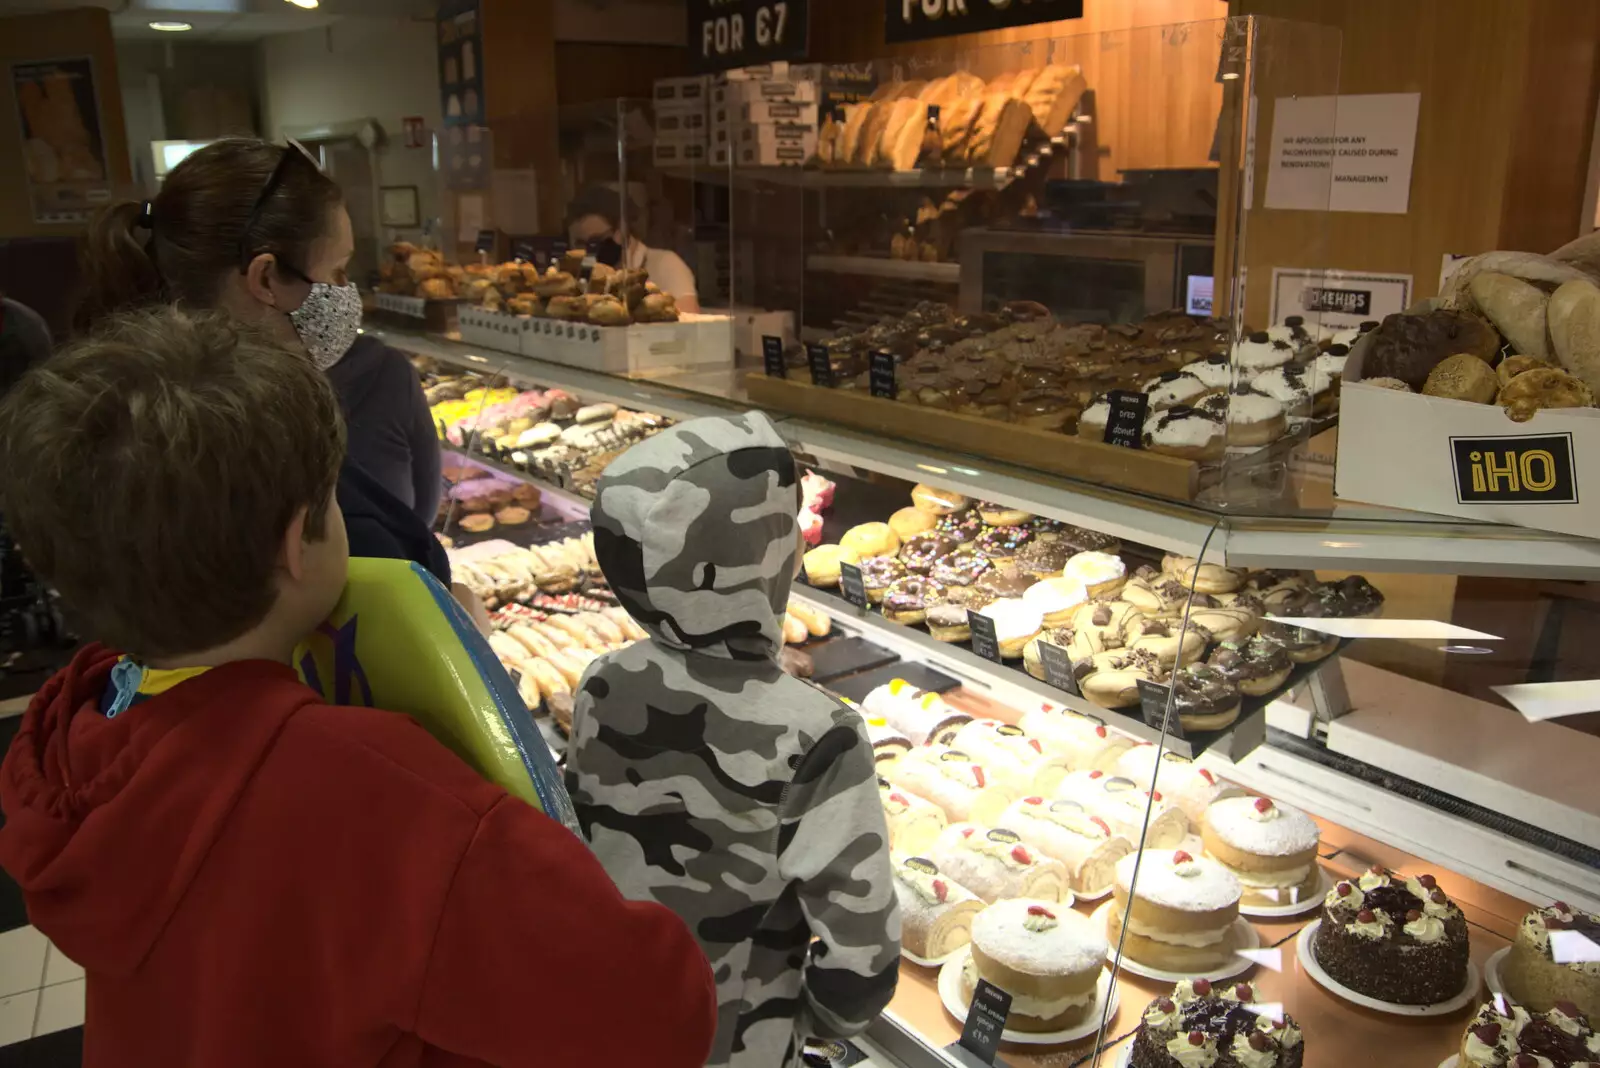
(328, 321)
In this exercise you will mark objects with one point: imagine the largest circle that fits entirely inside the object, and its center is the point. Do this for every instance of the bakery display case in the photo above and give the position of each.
(1328, 819)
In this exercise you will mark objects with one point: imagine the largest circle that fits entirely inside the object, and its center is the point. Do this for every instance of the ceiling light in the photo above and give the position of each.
(307, 4)
(171, 27)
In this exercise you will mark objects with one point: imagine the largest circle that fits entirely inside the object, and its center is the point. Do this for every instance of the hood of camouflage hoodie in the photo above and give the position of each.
(695, 530)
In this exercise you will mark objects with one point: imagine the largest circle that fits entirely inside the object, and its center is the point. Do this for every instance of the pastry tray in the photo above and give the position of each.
(856, 687)
(837, 657)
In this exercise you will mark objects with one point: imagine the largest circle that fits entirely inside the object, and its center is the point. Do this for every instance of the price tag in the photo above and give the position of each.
(984, 641)
(1153, 703)
(986, 1021)
(821, 366)
(1057, 664)
(486, 241)
(522, 251)
(852, 585)
(772, 356)
(1125, 424)
(881, 376)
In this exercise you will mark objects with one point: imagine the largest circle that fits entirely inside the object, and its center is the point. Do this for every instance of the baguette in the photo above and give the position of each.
(871, 133)
(908, 111)
(955, 127)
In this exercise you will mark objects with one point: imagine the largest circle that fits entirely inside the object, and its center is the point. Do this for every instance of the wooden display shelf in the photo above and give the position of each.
(1336, 1032)
(1040, 450)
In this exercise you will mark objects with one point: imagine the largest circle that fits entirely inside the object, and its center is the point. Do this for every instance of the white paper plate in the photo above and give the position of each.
(1305, 904)
(955, 1005)
(1308, 961)
(1126, 1060)
(1491, 970)
(1248, 939)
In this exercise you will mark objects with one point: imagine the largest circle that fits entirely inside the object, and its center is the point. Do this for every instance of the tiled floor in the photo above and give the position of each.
(41, 991)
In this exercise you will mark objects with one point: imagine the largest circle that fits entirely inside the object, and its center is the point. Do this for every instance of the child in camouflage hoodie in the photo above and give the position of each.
(708, 780)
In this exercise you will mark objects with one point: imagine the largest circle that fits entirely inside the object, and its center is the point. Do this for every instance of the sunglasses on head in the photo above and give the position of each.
(247, 252)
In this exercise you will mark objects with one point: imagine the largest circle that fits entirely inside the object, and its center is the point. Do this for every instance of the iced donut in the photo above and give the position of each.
(1111, 679)
(1260, 352)
(878, 573)
(1002, 515)
(1190, 433)
(871, 539)
(936, 501)
(1166, 639)
(922, 551)
(907, 523)
(963, 527)
(1016, 623)
(960, 568)
(906, 600)
(1109, 619)
(1057, 598)
(1205, 578)
(1289, 386)
(1002, 544)
(1101, 574)
(1256, 665)
(1172, 388)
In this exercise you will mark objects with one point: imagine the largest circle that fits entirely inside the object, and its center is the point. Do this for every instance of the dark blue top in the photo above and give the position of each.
(378, 525)
(390, 428)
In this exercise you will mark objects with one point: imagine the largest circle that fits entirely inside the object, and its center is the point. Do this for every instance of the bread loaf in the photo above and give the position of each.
(1574, 319)
(909, 90)
(885, 91)
(848, 146)
(997, 144)
(955, 127)
(1516, 308)
(1582, 253)
(1015, 82)
(872, 132)
(981, 138)
(1541, 271)
(902, 135)
(1053, 96)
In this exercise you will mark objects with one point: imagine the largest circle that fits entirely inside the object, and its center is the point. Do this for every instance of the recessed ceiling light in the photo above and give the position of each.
(307, 4)
(171, 27)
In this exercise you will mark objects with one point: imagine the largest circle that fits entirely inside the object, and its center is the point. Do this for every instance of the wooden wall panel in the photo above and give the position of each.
(1152, 65)
(586, 72)
(520, 101)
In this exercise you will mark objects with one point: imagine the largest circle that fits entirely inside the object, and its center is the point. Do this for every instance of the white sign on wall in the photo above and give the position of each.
(1343, 153)
(1338, 299)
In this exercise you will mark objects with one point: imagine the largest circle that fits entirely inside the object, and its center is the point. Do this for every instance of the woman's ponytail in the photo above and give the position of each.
(118, 269)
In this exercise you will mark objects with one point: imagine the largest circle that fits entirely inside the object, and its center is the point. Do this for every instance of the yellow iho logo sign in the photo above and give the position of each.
(1515, 470)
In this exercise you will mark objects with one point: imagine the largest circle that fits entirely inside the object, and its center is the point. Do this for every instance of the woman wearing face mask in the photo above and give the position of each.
(594, 220)
(257, 230)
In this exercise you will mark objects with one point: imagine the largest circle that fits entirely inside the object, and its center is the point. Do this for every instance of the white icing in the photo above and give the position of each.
(1280, 387)
(1211, 375)
(1097, 413)
(1479, 1052)
(1013, 618)
(1157, 1020)
(1250, 1057)
(1347, 338)
(1564, 1022)
(1425, 928)
(1202, 886)
(922, 884)
(1280, 831)
(1272, 879)
(1055, 595)
(1179, 390)
(1192, 939)
(1193, 431)
(1594, 1043)
(1371, 880)
(1378, 928)
(1256, 356)
(1094, 568)
(1072, 947)
(1192, 1056)
(1246, 408)
(1290, 1036)
(1326, 369)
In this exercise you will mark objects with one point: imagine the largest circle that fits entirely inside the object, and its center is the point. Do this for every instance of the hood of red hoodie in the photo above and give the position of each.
(108, 820)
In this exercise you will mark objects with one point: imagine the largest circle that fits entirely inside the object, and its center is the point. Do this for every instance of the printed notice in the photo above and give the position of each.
(1343, 153)
(1337, 299)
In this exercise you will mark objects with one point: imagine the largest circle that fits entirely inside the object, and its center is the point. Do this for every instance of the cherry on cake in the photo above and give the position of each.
(1564, 1037)
(1047, 957)
(1191, 788)
(1067, 831)
(1270, 848)
(1085, 741)
(914, 822)
(1216, 1025)
(951, 779)
(1531, 974)
(1123, 803)
(1182, 915)
(1393, 938)
(936, 912)
(996, 864)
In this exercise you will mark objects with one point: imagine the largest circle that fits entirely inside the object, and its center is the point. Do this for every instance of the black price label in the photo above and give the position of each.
(522, 251)
(984, 641)
(486, 241)
(986, 1021)
(852, 585)
(1153, 704)
(880, 376)
(1515, 470)
(922, 20)
(1057, 664)
(1125, 423)
(821, 366)
(772, 356)
(724, 34)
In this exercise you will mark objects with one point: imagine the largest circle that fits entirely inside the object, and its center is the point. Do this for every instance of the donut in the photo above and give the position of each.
(1172, 388)
(1001, 544)
(1083, 540)
(1204, 698)
(1205, 578)
(871, 539)
(1046, 529)
(1109, 619)
(1189, 433)
(962, 567)
(1057, 598)
(922, 551)
(1257, 665)
(1225, 623)
(1016, 623)
(1002, 583)
(476, 523)
(1301, 645)
(1155, 593)
(1166, 639)
(1001, 515)
(1080, 645)
(907, 523)
(1101, 573)
(936, 501)
(948, 623)
(1113, 677)
(512, 516)
(1045, 559)
(1254, 419)
(877, 573)
(964, 526)
(906, 599)
(822, 564)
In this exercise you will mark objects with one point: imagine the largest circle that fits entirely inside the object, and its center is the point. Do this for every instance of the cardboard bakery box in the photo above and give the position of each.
(671, 154)
(766, 149)
(681, 126)
(1457, 458)
(737, 94)
(692, 92)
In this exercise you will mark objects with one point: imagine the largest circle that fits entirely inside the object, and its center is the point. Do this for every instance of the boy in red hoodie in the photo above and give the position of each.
(251, 877)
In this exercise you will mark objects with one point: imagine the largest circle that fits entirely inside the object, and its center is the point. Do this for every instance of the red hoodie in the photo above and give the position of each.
(253, 878)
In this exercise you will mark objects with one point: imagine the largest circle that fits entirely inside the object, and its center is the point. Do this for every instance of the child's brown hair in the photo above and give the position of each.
(150, 471)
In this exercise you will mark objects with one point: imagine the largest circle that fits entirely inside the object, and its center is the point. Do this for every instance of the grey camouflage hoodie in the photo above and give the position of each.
(708, 780)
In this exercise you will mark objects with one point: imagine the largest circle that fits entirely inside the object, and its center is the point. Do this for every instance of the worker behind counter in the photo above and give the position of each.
(594, 221)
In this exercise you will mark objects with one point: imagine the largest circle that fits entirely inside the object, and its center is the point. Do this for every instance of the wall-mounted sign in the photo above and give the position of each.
(724, 34)
(921, 20)
(61, 138)
(1343, 153)
(1338, 299)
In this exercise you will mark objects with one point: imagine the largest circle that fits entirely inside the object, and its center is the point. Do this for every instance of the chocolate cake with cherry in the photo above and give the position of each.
(1221, 1025)
(1394, 938)
(1560, 1038)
